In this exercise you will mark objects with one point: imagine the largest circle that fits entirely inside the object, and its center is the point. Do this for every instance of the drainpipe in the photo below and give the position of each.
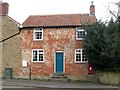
(20, 28)
(30, 73)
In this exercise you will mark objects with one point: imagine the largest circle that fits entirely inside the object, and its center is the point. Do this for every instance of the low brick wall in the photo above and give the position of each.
(110, 78)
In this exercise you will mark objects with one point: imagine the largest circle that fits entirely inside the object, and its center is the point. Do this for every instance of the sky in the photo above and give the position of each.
(21, 9)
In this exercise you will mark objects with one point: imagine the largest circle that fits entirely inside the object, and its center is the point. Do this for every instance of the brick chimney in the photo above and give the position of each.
(92, 9)
(4, 7)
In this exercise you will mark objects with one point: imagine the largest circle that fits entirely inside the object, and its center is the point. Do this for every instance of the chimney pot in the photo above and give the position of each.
(92, 9)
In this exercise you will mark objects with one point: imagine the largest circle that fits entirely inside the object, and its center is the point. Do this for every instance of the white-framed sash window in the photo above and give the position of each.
(80, 33)
(37, 55)
(80, 56)
(38, 34)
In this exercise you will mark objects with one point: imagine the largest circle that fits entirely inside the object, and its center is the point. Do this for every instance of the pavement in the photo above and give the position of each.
(49, 84)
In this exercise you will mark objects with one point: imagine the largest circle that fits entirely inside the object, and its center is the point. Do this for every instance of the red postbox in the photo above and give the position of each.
(90, 69)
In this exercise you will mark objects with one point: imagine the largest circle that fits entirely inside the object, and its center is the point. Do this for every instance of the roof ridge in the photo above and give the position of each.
(14, 20)
(61, 14)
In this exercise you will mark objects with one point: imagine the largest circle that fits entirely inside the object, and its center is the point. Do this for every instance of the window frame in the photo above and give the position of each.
(80, 29)
(37, 30)
(81, 61)
(37, 55)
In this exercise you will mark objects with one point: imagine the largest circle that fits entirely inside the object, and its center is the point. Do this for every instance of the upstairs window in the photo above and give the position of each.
(38, 34)
(37, 55)
(80, 56)
(80, 34)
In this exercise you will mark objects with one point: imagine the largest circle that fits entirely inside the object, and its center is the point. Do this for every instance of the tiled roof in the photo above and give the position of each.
(58, 20)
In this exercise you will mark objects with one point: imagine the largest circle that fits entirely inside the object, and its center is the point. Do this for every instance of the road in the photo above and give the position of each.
(21, 88)
(13, 84)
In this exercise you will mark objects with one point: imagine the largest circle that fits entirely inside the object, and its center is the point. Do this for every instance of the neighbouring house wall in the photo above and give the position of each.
(11, 51)
(54, 39)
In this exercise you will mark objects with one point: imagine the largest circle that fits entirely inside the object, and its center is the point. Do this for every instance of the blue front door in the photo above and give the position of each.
(59, 62)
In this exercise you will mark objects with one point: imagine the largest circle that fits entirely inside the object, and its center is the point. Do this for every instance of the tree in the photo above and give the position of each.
(100, 45)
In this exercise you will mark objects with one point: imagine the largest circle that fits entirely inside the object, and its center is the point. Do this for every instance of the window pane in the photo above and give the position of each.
(40, 57)
(40, 51)
(80, 34)
(83, 56)
(40, 36)
(36, 35)
(78, 51)
(35, 55)
(78, 57)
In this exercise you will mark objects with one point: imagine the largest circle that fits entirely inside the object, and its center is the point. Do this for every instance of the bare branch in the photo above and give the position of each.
(117, 4)
(113, 14)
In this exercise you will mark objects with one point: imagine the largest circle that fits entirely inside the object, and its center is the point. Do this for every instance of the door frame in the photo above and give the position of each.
(55, 61)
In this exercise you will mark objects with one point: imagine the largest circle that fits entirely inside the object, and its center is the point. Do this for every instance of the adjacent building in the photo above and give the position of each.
(10, 52)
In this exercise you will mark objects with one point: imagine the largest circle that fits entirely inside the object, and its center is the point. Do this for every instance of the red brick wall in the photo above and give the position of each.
(54, 39)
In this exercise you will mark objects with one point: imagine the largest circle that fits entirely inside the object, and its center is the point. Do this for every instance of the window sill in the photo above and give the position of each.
(80, 39)
(81, 62)
(37, 61)
(37, 39)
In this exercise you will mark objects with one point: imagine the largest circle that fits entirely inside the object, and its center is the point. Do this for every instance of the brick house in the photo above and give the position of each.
(10, 52)
(54, 44)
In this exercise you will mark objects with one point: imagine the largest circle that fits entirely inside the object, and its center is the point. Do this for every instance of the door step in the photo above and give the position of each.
(57, 77)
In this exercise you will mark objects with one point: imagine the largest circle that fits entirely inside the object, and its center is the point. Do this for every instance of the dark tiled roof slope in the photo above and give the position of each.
(59, 20)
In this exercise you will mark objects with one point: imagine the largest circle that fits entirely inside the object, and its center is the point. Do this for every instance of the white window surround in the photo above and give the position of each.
(38, 53)
(79, 29)
(81, 56)
(38, 30)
